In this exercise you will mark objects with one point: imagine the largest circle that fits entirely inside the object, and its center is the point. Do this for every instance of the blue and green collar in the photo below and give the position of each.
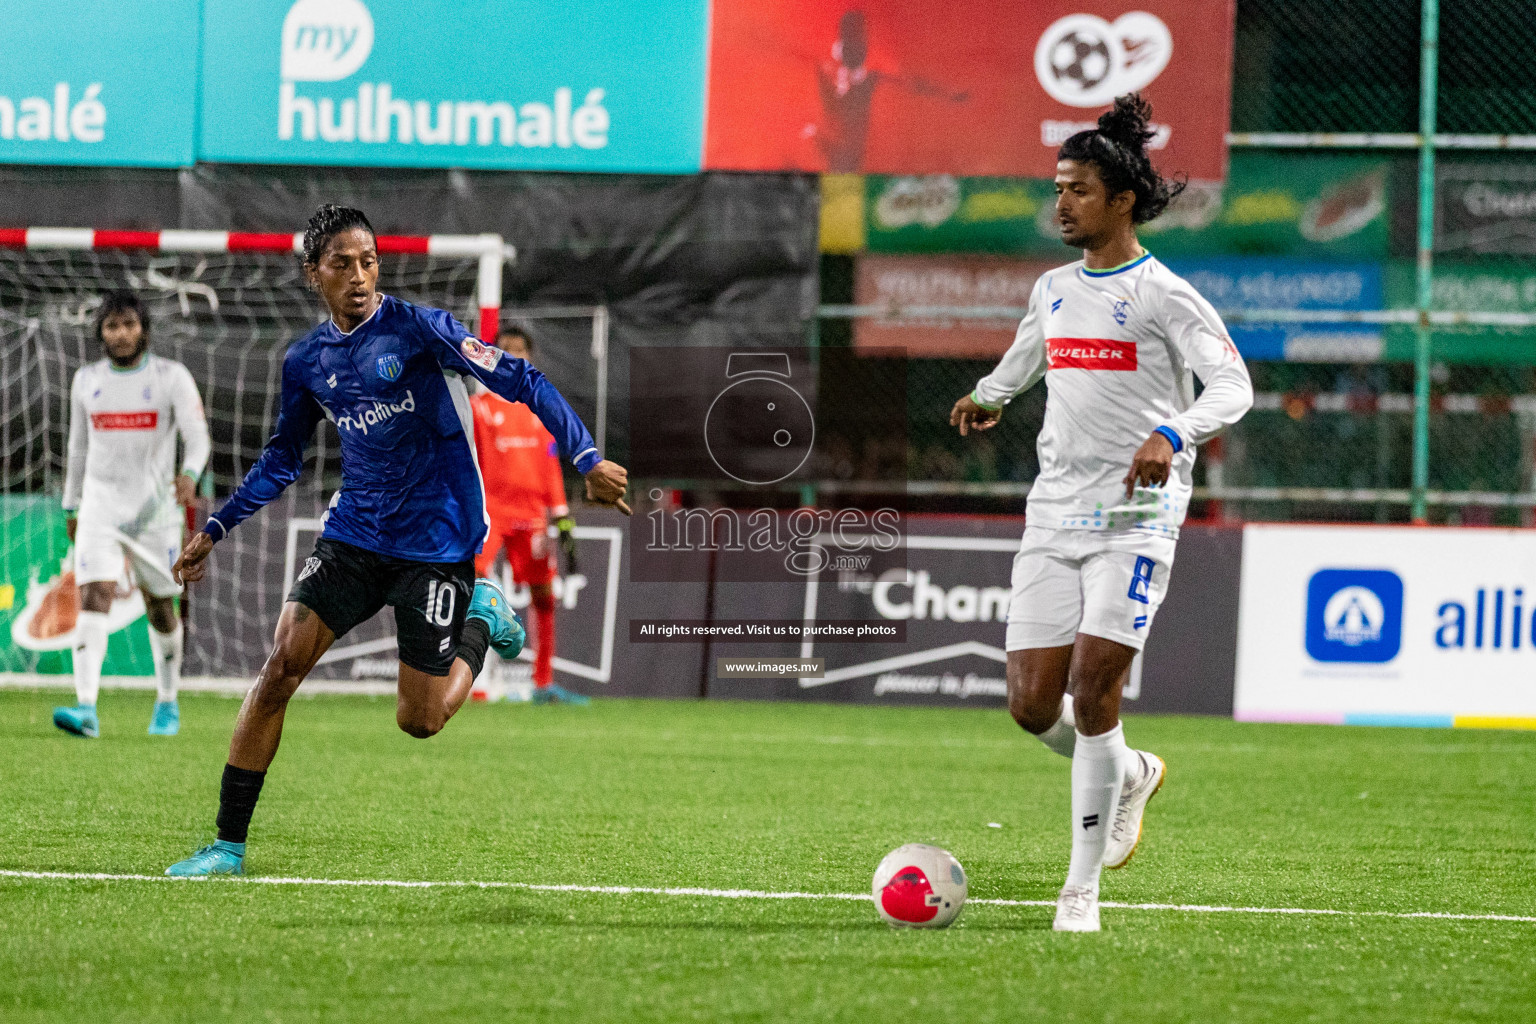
(1107, 271)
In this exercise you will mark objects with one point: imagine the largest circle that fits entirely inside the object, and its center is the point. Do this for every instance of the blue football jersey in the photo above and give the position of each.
(394, 387)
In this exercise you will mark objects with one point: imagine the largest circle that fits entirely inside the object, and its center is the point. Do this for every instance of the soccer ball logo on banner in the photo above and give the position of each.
(1084, 61)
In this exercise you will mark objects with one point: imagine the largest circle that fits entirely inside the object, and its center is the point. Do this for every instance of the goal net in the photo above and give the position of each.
(227, 306)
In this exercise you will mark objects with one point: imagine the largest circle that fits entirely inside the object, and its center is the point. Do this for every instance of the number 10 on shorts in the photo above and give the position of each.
(440, 598)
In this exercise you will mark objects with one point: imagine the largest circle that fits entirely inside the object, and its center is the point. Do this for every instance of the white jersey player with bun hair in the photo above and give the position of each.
(1118, 339)
(124, 490)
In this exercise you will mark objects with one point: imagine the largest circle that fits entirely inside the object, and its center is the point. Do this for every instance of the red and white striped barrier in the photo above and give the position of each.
(491, 251)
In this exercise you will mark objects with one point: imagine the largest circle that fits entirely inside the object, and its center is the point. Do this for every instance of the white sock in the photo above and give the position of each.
(1097, 767)
(1062, 736)
(90, 651)
(165, 648)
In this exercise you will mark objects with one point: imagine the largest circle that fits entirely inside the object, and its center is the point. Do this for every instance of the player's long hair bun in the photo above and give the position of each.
(1118, 147)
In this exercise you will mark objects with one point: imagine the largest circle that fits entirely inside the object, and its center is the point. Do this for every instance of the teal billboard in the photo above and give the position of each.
(98, 82)
(580, 85)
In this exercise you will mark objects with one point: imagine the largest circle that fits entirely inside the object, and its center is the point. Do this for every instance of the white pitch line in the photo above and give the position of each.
(738, 894)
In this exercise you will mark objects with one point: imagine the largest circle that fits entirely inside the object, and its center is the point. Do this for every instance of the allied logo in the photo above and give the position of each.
(1355, 615)
(311, 566)
(1121, 311)
(390, 367)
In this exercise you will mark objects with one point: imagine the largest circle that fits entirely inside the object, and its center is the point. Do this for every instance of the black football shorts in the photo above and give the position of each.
(346, 585)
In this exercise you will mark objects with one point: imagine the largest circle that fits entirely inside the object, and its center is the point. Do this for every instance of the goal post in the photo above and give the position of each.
(226, 304)
(491, 251)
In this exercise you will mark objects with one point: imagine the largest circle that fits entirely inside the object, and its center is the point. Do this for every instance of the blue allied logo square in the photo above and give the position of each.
(390, 367)
(1355, 615)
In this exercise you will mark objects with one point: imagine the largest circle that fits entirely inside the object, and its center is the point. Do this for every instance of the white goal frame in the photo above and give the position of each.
(490, 249)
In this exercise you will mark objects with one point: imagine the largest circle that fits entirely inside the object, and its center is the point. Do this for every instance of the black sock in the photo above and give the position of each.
(474, 638)
(237, 802)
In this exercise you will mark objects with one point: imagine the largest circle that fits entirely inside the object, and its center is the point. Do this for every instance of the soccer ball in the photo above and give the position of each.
(1082, 59)
(919, 886)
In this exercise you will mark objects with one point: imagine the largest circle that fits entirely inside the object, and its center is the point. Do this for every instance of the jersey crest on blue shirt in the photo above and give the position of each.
(390, 367)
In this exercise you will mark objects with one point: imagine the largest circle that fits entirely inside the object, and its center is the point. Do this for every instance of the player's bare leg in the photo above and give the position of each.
(165, 647)
(427, 701)
(301, 638)
(1038, 698)
(90, 651)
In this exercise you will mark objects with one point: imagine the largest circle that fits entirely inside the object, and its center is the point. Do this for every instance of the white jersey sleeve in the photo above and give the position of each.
(1021, 367)
(187, 408)
(1194, 328)
(79, 442)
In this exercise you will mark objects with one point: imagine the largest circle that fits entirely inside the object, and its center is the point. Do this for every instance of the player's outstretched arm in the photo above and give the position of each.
(281, 462)
(79, 443)
(517, 381)
(606, 484)
(1020, 369)
(192, 424)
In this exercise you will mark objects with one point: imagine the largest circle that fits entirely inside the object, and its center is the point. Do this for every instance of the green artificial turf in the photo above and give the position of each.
(781, 797)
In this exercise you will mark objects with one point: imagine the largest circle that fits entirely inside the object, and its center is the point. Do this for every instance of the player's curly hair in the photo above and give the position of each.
(1118, 147)
(328, 222)
(122, 301)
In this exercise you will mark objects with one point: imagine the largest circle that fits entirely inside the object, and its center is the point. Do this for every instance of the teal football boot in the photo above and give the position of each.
(217, 858)
(166, 720)
(490, 606)
(554, 693)
(78, 721)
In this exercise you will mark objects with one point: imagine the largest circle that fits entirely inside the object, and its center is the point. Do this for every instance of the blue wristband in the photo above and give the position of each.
(1173, 438)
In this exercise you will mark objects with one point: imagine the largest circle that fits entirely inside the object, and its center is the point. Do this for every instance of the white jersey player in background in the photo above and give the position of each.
(123, 495)
(1115, 336)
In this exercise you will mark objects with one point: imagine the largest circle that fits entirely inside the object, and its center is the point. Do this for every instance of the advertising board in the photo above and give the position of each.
(449, 83)
(100, 83)
(1387, 625)
(983, 87)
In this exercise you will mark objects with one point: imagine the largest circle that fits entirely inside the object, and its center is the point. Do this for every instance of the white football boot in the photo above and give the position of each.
(1077, 909)
(1134, 794)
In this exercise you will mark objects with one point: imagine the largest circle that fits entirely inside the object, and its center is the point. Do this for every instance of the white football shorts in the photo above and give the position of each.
(100, 551)
(1106, 583)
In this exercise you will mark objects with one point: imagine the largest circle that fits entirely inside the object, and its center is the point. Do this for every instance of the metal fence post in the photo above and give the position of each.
(1428, 84)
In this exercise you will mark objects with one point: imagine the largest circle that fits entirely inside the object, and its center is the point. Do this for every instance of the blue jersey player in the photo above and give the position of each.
(409, 518)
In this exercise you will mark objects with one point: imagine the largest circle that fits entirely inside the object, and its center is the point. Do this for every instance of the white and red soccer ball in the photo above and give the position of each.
(919, 886)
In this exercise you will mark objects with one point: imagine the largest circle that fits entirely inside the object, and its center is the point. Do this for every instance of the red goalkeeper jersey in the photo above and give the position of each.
(520, 464)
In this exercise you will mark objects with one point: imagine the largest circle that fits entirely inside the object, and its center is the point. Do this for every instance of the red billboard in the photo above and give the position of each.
(972, 87)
